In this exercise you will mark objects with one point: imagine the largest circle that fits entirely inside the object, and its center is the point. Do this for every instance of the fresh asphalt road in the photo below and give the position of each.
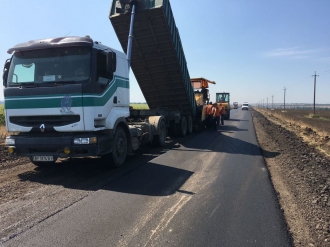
(211, 189)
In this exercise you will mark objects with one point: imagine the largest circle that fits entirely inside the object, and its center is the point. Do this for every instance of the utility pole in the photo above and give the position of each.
(284, 97)
(267, 102)
(314, 89)
(272, 101)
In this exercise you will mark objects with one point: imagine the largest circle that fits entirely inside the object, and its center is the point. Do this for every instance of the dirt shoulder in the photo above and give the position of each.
(301, 177)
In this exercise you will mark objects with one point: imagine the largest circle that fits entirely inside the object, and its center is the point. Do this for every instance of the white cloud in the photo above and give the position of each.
(297, 52)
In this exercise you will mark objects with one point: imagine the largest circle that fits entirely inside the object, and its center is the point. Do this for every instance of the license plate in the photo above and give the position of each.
(43, 158)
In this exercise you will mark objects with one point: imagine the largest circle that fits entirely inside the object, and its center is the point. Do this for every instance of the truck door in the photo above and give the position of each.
(98, 105)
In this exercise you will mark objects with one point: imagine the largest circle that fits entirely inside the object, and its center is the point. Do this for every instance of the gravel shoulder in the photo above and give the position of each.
(301, 177)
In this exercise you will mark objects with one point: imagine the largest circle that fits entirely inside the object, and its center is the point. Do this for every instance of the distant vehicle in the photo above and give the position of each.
(235, 105)
(245, 106)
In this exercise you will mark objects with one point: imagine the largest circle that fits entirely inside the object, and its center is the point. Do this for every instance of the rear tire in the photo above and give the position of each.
(228, 115)
(181, 127)
(189, 125)
(159, 140)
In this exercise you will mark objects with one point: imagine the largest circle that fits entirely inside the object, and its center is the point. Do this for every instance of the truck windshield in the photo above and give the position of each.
(222, 97)
(57, 65)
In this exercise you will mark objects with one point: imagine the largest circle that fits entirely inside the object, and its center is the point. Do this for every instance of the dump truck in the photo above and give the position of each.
(224, 99)
(70, 96)
(235, 105)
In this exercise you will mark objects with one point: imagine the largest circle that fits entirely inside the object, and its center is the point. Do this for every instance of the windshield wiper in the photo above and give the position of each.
(57, 83)
(69, 82)
(31, 84)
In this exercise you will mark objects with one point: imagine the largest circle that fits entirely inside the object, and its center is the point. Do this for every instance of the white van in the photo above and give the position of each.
(245, 106)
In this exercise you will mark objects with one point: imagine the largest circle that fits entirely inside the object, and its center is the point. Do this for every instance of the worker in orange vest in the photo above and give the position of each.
(208, 114)
(216, 116)
(222, 113)
(213, 110)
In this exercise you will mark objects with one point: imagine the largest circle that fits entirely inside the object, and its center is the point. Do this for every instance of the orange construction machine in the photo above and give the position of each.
(224, 99)
(201, 86)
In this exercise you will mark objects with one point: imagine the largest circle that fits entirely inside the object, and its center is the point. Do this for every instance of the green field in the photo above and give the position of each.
(140, 106)
(2, 115)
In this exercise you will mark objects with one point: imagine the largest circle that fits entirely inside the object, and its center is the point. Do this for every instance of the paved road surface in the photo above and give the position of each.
(212, 189)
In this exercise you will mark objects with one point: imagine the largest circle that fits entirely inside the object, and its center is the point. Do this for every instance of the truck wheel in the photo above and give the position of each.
(119, 147)
(181, 127)
(159, 140)
(172, 128)
(189, 125)
(197, 127)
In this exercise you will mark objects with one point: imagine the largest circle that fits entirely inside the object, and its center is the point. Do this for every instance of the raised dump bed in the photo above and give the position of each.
(158, 61)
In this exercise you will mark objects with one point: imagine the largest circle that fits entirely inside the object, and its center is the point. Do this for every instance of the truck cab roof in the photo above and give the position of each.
(61, 42)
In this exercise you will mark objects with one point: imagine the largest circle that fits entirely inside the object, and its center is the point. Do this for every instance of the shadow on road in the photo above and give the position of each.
(216, 141)
(237, 120)
(151, 179)
(226, 128)
(137, 176)
(140, 175)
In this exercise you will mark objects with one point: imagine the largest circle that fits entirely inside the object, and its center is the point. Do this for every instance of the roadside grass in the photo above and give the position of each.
(140, 106)
(318, 117)
(2, 115)
(3, 131)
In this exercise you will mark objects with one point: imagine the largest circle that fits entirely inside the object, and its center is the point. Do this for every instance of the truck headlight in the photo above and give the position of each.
(84, 140)
(11, 150)
(9, 141)
(67, 150)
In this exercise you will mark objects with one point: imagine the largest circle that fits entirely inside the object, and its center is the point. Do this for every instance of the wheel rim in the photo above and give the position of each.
(183, 126)
(120, 146)
(189, 125)
(162, 132)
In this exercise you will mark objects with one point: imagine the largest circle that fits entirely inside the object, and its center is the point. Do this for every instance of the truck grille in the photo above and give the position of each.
(30, 121)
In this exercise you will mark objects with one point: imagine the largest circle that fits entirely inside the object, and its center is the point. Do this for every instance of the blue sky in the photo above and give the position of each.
(250, 48)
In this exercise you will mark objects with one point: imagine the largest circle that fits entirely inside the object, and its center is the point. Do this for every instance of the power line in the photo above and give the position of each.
(314, 89)
(284, 97)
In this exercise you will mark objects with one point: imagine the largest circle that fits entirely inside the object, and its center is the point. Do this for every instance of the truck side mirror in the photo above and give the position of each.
(111, 62)
(5, 72)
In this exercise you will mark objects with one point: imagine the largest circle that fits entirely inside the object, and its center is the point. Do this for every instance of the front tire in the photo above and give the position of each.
(119, 147)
